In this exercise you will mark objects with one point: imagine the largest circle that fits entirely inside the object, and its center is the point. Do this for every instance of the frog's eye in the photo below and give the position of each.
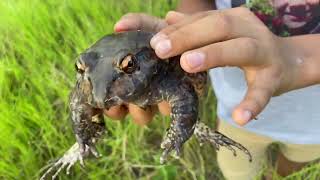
(128, 64)
(80, 68)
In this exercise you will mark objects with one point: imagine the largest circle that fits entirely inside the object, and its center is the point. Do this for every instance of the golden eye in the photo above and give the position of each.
(128, 64)
(80, 67)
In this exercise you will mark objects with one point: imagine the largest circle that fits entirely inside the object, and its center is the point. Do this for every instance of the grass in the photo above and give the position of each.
(39, 42)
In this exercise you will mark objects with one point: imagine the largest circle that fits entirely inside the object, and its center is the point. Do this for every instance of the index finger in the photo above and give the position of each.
(214, 27)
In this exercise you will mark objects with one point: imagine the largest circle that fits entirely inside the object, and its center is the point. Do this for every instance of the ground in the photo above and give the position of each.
(39, 42)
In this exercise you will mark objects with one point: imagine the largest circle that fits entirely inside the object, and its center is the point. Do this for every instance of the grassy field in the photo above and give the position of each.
(39, 42)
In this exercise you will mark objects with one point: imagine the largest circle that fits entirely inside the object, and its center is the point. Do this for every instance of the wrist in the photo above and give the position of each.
(302, 54)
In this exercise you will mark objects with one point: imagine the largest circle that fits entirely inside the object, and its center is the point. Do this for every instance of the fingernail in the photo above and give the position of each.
(194, 59)
(156, 38)
(245, 116)
(163, 47)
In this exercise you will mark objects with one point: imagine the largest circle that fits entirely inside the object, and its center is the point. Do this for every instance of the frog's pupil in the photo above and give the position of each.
(130, 63)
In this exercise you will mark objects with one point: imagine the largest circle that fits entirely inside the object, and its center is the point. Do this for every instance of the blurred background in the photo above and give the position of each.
(39, 41)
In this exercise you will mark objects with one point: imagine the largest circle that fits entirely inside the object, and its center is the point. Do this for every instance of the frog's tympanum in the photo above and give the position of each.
(122, 68)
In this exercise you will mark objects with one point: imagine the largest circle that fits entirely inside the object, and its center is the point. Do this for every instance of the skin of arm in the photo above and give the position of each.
(305, 52)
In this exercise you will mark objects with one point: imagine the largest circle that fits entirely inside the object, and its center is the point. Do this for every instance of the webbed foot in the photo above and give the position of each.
(173, 140)
(205, 134)
(73, 155)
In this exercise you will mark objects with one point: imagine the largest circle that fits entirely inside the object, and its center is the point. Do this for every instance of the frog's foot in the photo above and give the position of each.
(173, 140)
(205, 134)
(87, 147)
(73, 155)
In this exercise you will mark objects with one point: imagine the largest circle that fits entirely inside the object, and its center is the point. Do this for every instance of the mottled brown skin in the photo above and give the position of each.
(149, 81)
(122, 68)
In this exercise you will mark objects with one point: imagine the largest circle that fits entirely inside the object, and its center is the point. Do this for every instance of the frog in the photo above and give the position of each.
(122, 68)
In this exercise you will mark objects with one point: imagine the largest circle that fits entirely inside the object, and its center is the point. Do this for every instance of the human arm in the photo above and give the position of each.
(305, 50)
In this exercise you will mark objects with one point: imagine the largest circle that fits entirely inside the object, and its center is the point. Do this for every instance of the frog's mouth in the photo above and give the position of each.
(100, 97)
(101, 79)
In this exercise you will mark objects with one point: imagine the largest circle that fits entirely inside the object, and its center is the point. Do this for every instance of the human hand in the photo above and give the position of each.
(233, 37)
(139, 21)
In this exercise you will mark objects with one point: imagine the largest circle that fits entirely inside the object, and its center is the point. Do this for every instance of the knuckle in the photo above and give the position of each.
(180, 38)
(262, 95)
(214, 56)
(265, 95)
(135, 16)
(259, 105)
(168, 30)
(204, 14)
(251, 46)
(183, 36)
(256, 104)
(223, 22)
(158, 26)
(171, 29)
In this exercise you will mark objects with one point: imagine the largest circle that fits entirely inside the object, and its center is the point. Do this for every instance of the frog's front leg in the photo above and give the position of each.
(88, 126)
(184, 112)
(87, 121)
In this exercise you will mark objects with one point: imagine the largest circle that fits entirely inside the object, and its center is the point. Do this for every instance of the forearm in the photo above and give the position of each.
(305, 53)
(193, 6)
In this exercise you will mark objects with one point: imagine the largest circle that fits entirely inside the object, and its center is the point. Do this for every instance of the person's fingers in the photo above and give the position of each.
(217, 26)
(140, 116)
(164, 108)
(139, 21)
(173, 17)
(236, 52)
(116, 112)
(176, 21)
(257, 97)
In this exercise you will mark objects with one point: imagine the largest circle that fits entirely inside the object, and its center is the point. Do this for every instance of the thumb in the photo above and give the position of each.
(256, 99)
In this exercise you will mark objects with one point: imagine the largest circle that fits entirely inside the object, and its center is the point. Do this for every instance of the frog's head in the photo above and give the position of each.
(118, 67)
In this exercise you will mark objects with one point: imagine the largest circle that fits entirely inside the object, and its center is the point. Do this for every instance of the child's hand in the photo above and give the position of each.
(233, 37)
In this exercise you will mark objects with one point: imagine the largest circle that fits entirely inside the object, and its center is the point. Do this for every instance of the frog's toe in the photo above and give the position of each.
(172, 141)
(67, 160)
(72, 156)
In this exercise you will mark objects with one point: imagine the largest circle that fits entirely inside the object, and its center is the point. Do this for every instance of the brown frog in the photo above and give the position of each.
(122, 68)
